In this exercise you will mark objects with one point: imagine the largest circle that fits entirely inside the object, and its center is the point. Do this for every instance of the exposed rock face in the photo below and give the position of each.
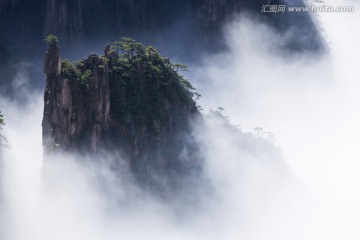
(21, 21)
(214, 12)
(72, 119)
(202, 19)
(64, 18)
(171, 25)
(300, 29)
(52, 65)
(196, 22)
(133, 104)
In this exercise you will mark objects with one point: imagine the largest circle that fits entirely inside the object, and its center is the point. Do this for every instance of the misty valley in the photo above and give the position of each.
(169, 119)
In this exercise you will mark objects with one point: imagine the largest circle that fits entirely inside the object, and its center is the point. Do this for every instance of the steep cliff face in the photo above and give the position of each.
(64, 18)
(94, 20)
(214, 12)
(21, 20)
(203, 20)
(134, 104)
(300, 30)
(196, 22)
(171, 25)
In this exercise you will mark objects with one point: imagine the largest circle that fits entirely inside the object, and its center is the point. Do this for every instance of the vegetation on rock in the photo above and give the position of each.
(51, 39)
(134, 68)
(131, 100)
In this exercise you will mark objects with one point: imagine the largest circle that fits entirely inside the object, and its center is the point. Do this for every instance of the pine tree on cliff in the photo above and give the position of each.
(51, 39)
(131, 101)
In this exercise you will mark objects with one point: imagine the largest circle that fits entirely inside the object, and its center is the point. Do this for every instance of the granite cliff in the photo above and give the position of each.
(171, 25)
(196, 22)
(130, 102)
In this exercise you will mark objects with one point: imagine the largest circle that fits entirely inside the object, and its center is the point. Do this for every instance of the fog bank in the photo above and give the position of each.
(305, 188)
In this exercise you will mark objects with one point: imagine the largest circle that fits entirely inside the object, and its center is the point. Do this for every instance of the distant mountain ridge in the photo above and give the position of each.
(174, 23)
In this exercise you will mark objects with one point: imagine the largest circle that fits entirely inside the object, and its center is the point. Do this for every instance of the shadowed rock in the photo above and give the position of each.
(133, 105)
(52, 65)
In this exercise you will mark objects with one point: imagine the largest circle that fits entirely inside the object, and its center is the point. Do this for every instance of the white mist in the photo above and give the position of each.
(311, 105)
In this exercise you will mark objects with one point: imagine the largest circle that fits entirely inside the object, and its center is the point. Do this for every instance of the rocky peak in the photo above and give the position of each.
(52, 61)
(130, 101)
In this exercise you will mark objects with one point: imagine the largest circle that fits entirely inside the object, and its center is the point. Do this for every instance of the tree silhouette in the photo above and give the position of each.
(51, 39)
(271, 136)
(1, 120)
(180, 67)
(258, 130)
